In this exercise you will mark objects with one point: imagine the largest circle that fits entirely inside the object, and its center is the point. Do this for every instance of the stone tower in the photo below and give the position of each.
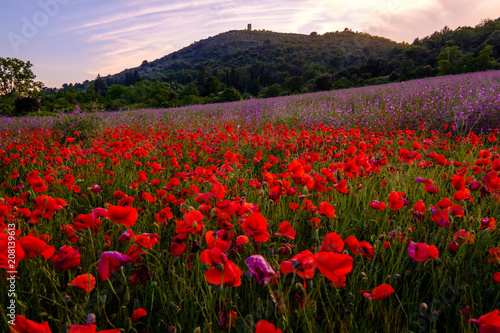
(249, 28)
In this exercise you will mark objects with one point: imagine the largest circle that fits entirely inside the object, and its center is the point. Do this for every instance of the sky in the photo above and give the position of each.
(70, 41)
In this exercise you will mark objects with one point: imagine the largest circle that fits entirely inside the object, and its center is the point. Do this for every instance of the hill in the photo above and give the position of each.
(249, 59)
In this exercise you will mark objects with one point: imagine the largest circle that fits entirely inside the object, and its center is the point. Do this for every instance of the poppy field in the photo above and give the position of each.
(364, 210)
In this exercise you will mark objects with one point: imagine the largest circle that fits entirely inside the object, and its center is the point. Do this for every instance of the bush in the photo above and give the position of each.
(229, 95)
(273, 90)
(25, 105)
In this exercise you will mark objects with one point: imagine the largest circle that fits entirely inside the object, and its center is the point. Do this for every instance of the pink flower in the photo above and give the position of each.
(260, 268)
(110, 262)
(422, 252)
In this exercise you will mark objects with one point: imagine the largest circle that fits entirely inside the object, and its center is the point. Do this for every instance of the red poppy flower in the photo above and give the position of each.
(66, 258)
(367, 249)
(326, 209)
(85, 282)
(286, 230)
(216, 242)
(353, 244)
(332, 243)
(23, 325)
(378, 205)
(139, 313)
(303, 263)
(122, 215)
(190, 225)
(34, 246)
(4, 253)
(333, 265)
(177, 249)
(488, 323)
(396, 200)
(84, 221)
(342, 187)
(382, 291)
(463, 236)
(241, 240)
(256, 226)
(49, 205)
(421, 251)
(492, 181)
(142, 177)
(488, 223)
(218, 191)
(296, 168)
(264, 326)
(164, 215)
(224, 271)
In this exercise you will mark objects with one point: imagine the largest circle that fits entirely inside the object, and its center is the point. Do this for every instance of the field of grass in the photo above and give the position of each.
(364, 210)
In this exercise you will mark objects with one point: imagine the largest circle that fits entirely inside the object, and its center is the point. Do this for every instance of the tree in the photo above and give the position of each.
(448, 60)
(100, 87)
(229, 95)
(323, 82)
(17, 76)
(485, 59)
(273, 90)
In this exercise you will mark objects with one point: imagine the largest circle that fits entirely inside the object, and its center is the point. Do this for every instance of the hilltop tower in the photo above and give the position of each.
(249, 27)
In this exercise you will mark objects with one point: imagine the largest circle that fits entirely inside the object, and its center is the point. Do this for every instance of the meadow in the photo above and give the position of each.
(362, 210)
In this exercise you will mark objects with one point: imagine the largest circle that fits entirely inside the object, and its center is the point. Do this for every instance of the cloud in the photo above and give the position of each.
(405, 20)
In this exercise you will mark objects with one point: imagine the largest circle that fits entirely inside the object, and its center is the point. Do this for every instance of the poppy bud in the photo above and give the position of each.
(453, 246)
(435, 315)
(91, 319)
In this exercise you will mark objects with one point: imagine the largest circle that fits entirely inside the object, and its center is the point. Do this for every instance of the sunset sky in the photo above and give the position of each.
(69, 41)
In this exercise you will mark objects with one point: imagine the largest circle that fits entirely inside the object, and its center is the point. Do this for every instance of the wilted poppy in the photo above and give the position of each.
(110, 262)
(260, 269)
